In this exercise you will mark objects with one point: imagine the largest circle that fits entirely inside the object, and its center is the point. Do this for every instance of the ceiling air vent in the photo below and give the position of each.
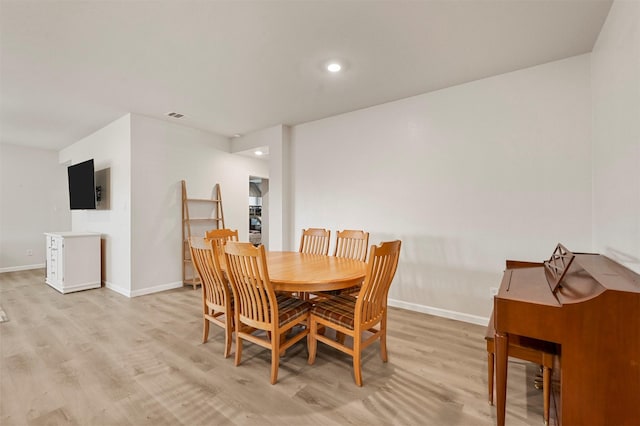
(175, 114)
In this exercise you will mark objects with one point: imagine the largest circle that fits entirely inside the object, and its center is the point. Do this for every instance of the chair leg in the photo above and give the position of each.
(490, 363)
(228, 335)
(205, 330)
(283, 339)
(275, 358)
(238, 345)
(357, 368)
(383, 338)
(312, 343)
(546, 392)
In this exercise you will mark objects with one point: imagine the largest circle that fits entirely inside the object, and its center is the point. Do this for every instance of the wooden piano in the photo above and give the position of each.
(590, 306)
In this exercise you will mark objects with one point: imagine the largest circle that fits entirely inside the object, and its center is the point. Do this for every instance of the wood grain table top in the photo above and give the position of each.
(293, 271)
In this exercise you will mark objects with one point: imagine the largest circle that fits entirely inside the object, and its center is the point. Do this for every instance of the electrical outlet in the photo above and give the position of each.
(29, 252)
(493, 291)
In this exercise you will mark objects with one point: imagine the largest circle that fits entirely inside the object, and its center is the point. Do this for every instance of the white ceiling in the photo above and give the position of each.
(68, 68)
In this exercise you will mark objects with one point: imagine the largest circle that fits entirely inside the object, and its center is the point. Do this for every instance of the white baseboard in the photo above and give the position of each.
(22, 268)
(70, 289)
(156, 289)
(445, 313)
(149, 290)
(121, 290)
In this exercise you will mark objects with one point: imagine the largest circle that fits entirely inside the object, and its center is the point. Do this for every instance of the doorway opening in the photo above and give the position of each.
(258, 211)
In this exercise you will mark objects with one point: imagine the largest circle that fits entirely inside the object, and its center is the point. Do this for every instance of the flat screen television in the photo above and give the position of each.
(82, 186)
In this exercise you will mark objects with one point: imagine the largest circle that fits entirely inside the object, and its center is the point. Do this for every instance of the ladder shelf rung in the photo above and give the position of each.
(202, 200)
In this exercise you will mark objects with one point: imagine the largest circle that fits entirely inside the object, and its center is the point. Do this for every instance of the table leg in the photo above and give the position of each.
(501, 347)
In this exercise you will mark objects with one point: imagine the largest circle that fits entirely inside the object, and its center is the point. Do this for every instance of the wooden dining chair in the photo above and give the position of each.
(354, 316)
(257, 307)
(352, 245)
(315, 241)
(217, 297)
(221, 236)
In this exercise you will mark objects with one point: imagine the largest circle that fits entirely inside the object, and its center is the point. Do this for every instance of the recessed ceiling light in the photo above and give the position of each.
(237, 135)
(334, 67)
(258, 153)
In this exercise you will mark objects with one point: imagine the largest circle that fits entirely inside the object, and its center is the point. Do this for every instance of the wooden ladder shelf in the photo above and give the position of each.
(207, 214)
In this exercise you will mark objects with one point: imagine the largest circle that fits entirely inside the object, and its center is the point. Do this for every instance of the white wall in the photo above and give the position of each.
(163, 154)
(33, 199)
(466, 177)
(110, 147)
(615, 63)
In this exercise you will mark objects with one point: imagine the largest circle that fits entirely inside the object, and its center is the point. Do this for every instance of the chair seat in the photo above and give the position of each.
(339, 309)
(290, 308)
(352, 290)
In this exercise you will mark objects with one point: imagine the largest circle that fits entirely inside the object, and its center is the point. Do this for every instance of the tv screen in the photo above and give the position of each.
(82, 187)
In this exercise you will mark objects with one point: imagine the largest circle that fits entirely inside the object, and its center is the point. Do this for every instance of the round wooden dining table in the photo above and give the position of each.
(303, 272)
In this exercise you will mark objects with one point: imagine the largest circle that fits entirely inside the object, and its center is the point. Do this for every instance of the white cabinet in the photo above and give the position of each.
(73, 260)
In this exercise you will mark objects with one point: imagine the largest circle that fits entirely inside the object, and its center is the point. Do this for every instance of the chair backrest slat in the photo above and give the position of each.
(315, 241)
(381, 268)
(247, 270)
(352, 244)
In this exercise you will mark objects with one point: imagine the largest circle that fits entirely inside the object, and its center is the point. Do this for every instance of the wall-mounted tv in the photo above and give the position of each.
(82, 186)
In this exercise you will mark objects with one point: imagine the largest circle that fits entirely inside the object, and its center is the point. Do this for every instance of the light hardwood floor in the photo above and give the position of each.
(98, 358)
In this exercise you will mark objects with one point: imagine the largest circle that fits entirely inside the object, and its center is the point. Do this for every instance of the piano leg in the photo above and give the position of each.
(491, 376)
(546, 392)
(502, 355)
